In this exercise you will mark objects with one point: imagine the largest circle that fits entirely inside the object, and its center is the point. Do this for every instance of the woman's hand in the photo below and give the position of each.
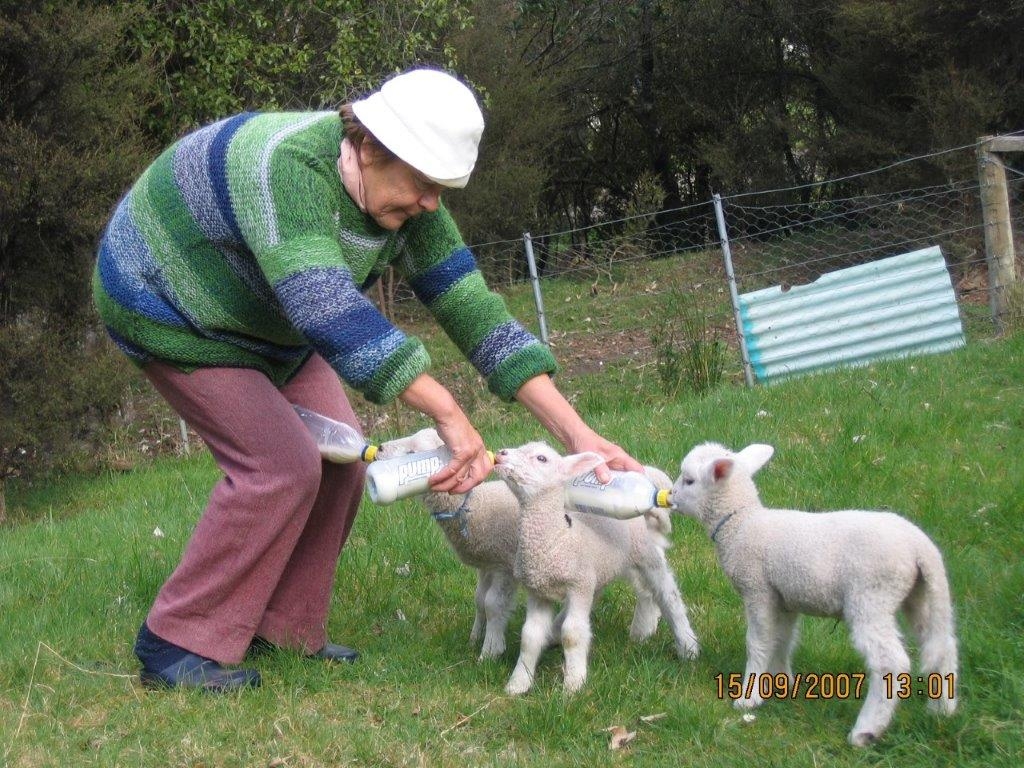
(614, 456)
(470, 463)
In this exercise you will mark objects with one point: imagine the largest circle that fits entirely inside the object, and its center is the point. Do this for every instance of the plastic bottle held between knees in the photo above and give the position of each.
(338, 442)
(626, 495)
(403, 476)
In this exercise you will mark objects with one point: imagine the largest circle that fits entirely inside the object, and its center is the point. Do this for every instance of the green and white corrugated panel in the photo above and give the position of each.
(897, 306)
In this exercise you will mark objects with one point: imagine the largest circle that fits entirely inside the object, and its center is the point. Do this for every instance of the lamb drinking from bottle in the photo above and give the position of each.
(863, 567)
(481, 527)
(568, 556)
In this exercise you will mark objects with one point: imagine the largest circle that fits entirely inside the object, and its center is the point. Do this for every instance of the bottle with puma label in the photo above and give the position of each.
(626, 495)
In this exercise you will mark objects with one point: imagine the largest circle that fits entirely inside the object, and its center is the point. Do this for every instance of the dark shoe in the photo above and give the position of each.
(166, 665)
(329, 652)
(194, 671)
(332, 652)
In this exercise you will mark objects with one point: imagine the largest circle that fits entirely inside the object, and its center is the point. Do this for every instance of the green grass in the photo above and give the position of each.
(937, 438)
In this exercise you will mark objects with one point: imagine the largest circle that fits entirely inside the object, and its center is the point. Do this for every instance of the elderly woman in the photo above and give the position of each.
(233, 273)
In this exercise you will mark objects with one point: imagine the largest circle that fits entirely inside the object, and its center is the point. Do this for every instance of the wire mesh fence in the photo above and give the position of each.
(643, 283)
(790, 244)
(794, 236)
(589, 278)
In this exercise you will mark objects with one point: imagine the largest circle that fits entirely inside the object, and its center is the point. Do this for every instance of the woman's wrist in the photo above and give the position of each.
(540, 396)
(429, 397)
(542, 399)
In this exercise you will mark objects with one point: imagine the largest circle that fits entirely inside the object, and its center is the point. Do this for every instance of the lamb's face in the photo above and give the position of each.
(711, 469)
(693, 485)
(424, 440)
(534, 468)
(529, 469)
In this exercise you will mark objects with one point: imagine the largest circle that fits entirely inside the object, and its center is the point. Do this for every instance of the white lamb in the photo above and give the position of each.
(863, 567)
(481, 526)
(568, 556)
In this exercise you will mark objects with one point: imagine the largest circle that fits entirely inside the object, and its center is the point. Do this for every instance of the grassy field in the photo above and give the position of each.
(937, 438)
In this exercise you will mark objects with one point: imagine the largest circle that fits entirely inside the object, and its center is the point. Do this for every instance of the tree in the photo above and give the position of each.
(713, 95)
(972, 78)
(70, 94)
(633, 107)
(523, 116)
(224, 56)
(69, 142)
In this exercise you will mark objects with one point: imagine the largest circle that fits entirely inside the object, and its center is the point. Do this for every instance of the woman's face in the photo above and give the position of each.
(394, 191)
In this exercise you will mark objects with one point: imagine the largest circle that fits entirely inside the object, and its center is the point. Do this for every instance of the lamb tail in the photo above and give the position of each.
(931, 615)
(659, 520)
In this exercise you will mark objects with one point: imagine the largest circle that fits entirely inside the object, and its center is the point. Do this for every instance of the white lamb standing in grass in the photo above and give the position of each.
(568, 556)
(482, 528)
(863, 567)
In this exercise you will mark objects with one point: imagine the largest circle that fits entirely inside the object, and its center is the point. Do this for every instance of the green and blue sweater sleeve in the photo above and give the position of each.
(444, 276)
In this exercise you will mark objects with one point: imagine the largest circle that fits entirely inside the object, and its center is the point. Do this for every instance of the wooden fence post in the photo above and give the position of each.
(995, 207)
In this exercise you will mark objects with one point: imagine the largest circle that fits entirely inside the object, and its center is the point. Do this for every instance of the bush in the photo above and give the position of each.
(72, 91)
(687, 355)
(58, 388)
(1012, 319)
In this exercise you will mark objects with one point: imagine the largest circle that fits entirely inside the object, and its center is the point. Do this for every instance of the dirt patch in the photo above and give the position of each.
(580, 354)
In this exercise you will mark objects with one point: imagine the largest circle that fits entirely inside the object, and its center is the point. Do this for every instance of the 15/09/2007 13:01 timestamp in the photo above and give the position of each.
(828, 685)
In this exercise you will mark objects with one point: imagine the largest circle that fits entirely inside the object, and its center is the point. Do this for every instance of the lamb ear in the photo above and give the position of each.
(580, 463)
(719, 469)
(755, 456)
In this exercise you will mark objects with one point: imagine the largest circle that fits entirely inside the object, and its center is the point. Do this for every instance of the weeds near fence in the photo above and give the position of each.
(1013, 315)
(687, 355)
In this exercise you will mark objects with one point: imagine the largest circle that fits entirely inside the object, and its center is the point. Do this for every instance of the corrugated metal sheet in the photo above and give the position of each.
(897, 306)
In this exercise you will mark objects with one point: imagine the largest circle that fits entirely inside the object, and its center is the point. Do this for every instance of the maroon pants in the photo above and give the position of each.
(262, 558)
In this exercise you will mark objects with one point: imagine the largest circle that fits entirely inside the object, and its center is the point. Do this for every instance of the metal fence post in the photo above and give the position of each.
(995, 207)
(537, 297)
(723, 236)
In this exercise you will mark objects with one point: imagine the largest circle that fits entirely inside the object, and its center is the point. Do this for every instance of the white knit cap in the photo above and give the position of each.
(428, 119)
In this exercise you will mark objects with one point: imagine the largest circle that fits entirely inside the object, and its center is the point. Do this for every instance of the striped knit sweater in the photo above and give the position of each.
(240, 247)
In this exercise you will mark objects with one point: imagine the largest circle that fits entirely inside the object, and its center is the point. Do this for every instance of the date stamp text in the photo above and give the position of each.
(809, 685)
(830, 685)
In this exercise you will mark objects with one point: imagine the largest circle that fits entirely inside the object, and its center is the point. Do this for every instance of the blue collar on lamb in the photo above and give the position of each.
(721, 522)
